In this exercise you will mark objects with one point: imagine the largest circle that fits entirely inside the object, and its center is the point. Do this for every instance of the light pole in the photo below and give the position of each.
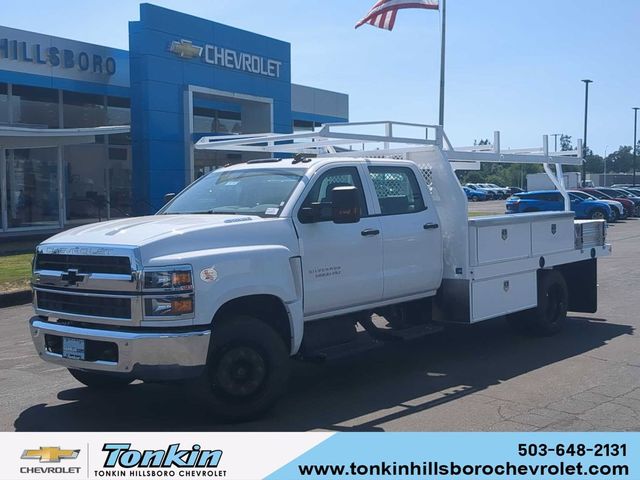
(635, 141)
(604, 159)
(555, 140)
(586, 111)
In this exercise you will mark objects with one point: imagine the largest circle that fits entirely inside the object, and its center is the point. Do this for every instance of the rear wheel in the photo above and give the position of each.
(248, 368)
(615, 215)
(97, 380)
(549, 316)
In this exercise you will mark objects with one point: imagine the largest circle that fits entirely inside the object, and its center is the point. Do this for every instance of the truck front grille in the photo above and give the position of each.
(84, 263)
(95, 306)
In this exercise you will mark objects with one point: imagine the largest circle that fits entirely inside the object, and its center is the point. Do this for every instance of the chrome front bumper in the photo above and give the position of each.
(141, 355)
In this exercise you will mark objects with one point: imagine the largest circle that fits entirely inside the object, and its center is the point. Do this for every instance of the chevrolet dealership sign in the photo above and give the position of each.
(228, 58)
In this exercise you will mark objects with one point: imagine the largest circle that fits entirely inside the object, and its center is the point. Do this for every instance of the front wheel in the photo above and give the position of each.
(97, 380)
(598, 214)
(248, 368)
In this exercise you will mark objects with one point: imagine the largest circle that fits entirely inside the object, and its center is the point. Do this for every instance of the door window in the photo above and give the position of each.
(321, 192)
(397, 189)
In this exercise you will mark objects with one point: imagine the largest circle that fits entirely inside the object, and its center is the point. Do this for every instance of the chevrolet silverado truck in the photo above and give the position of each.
(312, 256)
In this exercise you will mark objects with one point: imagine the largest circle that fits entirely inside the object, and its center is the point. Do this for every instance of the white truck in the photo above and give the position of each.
(314, 257)
(541, 181)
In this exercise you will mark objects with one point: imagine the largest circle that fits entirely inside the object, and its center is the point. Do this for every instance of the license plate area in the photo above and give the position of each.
(73, 348)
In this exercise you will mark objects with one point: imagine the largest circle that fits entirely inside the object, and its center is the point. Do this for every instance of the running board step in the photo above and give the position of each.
(362, 343)
(412, 333)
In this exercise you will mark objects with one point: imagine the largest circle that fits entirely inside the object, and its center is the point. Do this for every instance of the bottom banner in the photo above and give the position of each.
(319, 455)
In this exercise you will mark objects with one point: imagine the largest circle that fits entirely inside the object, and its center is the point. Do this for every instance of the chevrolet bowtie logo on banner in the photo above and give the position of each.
(185, 49)
(49, 454)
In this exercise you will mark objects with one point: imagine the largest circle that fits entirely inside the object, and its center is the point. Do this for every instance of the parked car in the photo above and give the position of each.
(491, 194)
(514, 190)
(475, 195)
(629, 206)
(499, 191)
(552, 200)
(619, 213)
(502, 191)
(617, 193)
(635, 191)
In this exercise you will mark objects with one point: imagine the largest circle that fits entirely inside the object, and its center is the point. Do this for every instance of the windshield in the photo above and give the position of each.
(618, 193)
(262, 192)
(600, 195)
(582, 195)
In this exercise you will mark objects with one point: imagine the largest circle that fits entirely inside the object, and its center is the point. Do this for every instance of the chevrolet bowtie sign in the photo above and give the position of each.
(49, 454)
(228, 58)
(185, 49)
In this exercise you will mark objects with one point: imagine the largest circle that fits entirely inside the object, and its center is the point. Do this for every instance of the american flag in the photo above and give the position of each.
(383, 13)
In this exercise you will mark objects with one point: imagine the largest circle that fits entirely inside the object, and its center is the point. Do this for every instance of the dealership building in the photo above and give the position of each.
(89, 132)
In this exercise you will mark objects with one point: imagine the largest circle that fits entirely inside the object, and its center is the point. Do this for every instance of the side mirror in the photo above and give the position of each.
(345, 205)
(168, 197)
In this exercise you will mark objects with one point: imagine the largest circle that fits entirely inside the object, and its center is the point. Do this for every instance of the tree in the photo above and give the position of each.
(621, 160)
(565, 143)
(594, 164)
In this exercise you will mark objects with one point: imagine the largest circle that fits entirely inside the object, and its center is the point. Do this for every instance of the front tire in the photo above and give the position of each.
(248, 368)
(99, 381)
(550, 315)
(598, 214)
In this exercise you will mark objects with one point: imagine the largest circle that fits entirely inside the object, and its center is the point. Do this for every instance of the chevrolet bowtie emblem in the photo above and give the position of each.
(185, 49)
(49, 454)
(72, 278)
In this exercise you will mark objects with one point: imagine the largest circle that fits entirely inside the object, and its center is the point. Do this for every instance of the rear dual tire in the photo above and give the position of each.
(549, 317)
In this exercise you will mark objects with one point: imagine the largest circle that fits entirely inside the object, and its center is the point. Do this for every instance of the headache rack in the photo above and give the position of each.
(399, 140)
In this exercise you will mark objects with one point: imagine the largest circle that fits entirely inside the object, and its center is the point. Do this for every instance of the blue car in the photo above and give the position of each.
(475, 195)
(551, 200)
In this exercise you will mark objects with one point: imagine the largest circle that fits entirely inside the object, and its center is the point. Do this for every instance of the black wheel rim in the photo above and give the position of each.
(241, 372)
(555, 304)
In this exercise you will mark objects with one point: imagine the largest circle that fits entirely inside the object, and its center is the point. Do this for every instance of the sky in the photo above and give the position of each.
(512, 65)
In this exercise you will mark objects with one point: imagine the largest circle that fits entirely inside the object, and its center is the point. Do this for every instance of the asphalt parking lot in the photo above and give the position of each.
(482, 378)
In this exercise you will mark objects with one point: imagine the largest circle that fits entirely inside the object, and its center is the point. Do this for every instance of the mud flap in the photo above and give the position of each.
(582, 282)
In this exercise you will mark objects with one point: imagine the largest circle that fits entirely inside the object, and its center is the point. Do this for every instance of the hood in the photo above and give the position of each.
(139, 231)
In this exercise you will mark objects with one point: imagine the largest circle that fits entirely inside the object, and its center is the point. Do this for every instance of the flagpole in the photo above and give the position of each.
(442, 61)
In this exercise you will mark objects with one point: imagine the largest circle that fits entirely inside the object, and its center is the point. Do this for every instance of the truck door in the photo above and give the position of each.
(342, 263)
(412, 242)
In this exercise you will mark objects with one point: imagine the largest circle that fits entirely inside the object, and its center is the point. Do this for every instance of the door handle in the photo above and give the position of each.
(369, 232)
(430, 226)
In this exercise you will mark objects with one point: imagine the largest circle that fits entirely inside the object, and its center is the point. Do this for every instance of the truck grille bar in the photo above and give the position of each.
(84, 263)
(95, 306)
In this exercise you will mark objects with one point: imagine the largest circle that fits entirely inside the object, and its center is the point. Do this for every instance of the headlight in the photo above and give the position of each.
(175, 279)
(169, 306)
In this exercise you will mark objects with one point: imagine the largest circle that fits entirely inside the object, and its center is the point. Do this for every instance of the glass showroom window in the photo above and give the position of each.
(4, 103)
(228, 122)
(118, 111)
(304, 125)
(85, 183)
(83, 110)
(35, 106)
(32, 188)
(119, 177)
(204, 120)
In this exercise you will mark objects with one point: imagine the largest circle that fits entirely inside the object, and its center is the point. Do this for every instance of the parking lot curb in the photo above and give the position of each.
(19, 297)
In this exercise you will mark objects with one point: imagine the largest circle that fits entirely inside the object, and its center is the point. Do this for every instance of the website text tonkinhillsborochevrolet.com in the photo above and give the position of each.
(453, 469)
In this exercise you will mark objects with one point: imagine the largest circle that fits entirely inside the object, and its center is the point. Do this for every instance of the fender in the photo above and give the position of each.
(242, 271)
